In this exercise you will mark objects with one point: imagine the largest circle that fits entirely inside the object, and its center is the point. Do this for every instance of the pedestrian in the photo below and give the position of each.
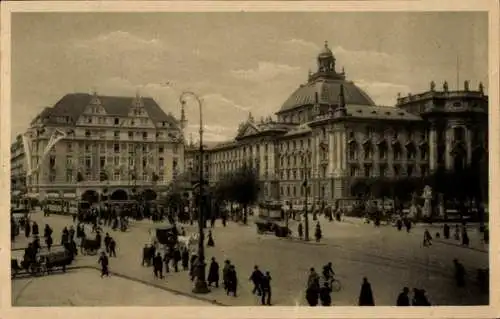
(300, 230)
(317, 233)
(399, 224)
(27, 229)
(325, 295)
(48, 242)
(212, 222)
(210, 242)
(427, 238)
(185, 258)
(167, 258)
(232, 279)
(265, 285)
(47, 231)
(366, 294)
(446, 231)
(459, 273)
(312, 291)
(213, 273)
(71, 233)
(225, 272)
(112, 247)
(107, 239)
(177, 258)
(403, 298)
(465, 237)
(104, 262)
(35, 229)
(419, 298)
(145, 255)
(158, 266)
(256, 278)
(192, 266)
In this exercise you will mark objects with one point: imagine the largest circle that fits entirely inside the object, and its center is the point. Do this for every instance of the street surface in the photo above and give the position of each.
(85, 288)
(388, 258)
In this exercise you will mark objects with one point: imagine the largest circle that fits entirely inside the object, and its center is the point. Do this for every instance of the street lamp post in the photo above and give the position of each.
(201, 286)
(306, 188)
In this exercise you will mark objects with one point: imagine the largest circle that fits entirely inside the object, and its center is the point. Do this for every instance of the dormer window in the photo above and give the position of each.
(87, 133)
(145, 135)
(117, 121)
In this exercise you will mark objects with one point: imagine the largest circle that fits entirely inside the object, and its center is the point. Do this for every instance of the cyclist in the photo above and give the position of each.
(328, 272)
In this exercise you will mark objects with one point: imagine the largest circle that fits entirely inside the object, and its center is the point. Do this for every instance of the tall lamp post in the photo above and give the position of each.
(201, 286)
(306, 191)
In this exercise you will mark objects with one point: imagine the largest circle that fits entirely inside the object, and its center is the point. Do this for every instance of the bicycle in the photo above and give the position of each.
(334, 284)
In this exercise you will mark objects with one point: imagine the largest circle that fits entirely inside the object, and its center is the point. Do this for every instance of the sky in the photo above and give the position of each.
(237, 62)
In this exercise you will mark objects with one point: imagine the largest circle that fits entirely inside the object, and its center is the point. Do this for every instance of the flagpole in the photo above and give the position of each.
(458, 73)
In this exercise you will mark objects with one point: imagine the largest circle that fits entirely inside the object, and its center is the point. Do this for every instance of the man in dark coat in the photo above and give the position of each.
(185, 258)
(35, 229)
(112, 247)
(176, 258)
(256, 278)
(403, 298)
(325, 295)
(104, 261)
(210, 241)
(459, 273)
(225, 271)
(107, 239)
(158, 266)
(232, 281)
(318, 233)
(47, 231)
(366, 294)
(27, 229)
(312, 292)
(192, 266)
(213, 273)
(145, 256)
(265, 285)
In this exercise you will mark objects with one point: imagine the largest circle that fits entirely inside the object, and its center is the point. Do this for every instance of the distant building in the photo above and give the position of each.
(331, 131)
(104, 145)
(17, 167)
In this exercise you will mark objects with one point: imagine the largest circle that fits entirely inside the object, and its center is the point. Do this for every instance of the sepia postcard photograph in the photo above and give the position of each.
(215, 155)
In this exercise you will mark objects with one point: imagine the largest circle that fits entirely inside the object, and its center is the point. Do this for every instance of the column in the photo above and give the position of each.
(433, 149)
(448, 149)
(332, 155)
(468, 144)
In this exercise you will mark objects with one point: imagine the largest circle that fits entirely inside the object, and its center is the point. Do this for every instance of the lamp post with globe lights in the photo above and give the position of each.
(200, 286)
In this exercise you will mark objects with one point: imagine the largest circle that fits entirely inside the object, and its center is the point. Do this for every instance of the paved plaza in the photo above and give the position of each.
(388, 258)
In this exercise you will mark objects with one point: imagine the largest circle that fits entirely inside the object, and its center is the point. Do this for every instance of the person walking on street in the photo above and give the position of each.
(318, 233)
(232, 279)
(459, 273)
(145, 255)
(325, 295)
(265, 286)
(107, 239)
(35, 229)
(213, 273)
(225, 273)
(256, 278)
(403, 298)
(112, 247)
(185, 258)
(158, 266)
(300, 230)
(366, 294)
(446, 231)
(104, 262)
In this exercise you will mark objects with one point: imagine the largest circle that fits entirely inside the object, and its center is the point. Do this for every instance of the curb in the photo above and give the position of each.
(144, 282)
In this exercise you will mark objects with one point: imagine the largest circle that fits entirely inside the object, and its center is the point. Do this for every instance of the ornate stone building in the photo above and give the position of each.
(103, 145)
(330, 131)
(17, 166)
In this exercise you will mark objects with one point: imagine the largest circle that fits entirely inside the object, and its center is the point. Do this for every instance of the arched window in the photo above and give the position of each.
(368, 150)
(411, 151)
(382, 150)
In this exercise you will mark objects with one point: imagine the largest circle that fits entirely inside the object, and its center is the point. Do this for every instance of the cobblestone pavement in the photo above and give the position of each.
(390, 259)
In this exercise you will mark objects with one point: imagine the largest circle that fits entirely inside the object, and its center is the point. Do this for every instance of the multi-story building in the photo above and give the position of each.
(92, 145)
(330, 131)
(17, 166)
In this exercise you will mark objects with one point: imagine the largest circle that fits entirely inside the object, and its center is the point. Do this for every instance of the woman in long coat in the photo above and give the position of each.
(366, 294)
(213, 273)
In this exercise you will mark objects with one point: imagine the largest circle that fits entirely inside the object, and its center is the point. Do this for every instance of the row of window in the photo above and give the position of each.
(241, 152)
(117, 147)
(70, 176)
(368, 170)
(104, 120)
(368, 151)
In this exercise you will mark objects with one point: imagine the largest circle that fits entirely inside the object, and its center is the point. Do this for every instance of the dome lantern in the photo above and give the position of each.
(326, 60)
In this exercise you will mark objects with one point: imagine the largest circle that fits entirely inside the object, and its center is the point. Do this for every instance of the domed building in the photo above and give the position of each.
(329, 132)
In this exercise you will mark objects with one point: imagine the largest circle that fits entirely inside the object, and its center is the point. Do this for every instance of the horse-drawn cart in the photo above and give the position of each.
(44, 263)
(90, 246)
(271, 216)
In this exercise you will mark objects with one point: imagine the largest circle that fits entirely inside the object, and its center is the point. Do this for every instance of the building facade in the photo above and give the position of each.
(17, 167)
(329, 132)
(93, 145)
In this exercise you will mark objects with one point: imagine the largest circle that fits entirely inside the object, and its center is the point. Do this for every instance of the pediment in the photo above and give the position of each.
(248, 130)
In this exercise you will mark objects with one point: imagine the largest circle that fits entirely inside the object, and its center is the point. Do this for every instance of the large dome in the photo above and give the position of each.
(328, 93)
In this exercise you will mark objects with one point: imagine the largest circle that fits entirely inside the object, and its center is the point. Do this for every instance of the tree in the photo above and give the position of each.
(241, 186)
